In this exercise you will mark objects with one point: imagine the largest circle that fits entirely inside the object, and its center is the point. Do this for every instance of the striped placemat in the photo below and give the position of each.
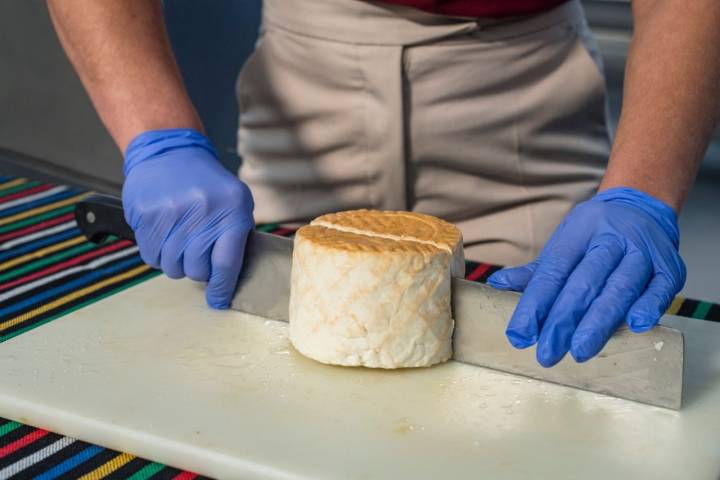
(48, 269)
(28, 452)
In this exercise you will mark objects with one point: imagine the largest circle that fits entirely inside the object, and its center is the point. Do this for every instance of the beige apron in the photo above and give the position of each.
(497, 125)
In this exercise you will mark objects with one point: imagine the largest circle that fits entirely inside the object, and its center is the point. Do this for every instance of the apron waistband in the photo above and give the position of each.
(372, 23)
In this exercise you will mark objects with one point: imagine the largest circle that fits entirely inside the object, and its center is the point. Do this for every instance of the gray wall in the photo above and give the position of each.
(48, 124)
(46, 120)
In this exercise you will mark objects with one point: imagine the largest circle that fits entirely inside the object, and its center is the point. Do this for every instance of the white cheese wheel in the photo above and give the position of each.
(372, 289)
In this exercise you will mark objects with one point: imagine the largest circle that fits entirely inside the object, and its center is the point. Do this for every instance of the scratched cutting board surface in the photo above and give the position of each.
(153, 372)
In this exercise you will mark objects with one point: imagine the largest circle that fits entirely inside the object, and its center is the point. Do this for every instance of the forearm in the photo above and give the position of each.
(672, 98)
(122, 54)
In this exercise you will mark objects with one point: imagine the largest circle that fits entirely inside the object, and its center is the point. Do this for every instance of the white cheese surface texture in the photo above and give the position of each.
(372, 289)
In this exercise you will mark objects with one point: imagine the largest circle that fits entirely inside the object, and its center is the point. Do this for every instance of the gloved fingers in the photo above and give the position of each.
(553, 269)
(149, 250)
(647, 310)
(197, 258)
(226, 262)
(582, 287)
(171, 256)
(610, 308)
(150, 230)
(513, 278)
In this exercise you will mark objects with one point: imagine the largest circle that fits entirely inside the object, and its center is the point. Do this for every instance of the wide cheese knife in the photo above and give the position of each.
(647, 367)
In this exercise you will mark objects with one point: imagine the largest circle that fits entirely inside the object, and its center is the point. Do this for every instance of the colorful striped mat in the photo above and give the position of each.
(48, 269)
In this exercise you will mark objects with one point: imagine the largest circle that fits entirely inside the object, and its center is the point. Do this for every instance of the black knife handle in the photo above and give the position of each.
(99, 216)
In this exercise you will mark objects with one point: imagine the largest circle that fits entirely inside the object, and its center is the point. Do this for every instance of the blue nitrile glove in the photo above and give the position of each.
(613, 258)
(191, 216)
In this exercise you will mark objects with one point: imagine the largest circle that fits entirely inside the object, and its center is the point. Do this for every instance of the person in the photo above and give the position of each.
(489, 114)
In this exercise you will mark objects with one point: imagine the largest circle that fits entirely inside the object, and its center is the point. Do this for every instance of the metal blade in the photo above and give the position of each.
(264, 285)
(647, 368)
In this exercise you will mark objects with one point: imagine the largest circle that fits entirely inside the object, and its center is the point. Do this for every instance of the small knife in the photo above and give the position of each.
(646, 368)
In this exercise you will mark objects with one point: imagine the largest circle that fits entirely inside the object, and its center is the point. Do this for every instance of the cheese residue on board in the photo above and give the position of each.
(372, 289)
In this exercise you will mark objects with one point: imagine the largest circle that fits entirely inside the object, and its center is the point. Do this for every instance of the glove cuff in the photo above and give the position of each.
(149, 144)
(657, 209)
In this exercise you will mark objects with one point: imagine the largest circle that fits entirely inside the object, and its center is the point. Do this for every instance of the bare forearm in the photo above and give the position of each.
(121, 52)
(672, 98)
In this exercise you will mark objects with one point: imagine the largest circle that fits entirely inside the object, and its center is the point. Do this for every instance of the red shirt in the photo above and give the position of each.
(480, 8)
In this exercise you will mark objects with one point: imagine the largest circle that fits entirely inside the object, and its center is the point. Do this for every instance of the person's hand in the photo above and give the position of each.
(614, 258)
(191, 217)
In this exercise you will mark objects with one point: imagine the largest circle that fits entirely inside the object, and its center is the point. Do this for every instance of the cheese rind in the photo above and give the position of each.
(359, 298)
(416, 227)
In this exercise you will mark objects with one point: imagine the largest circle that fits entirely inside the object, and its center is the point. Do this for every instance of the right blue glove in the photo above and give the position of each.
(191, 216)
(613, 259)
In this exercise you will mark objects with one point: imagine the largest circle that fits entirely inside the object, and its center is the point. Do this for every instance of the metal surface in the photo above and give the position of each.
(264, 285)
(647, 368)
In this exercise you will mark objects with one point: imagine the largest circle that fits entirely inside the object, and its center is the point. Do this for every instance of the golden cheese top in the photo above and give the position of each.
(353, 242)
(374, 230)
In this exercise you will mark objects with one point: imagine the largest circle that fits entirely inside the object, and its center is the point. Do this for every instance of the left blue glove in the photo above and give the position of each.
(613, 258)
(191, 216)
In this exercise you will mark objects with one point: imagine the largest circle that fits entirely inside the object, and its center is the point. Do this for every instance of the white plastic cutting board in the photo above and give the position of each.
(153, 372)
